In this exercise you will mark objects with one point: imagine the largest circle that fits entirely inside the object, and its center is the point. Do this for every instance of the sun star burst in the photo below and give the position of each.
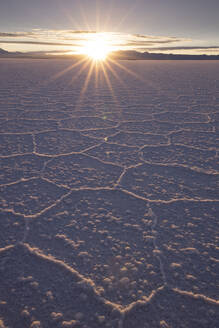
(97, 48)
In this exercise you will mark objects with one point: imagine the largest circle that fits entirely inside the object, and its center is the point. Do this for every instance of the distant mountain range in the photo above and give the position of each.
(7, 54)
(118, 55)
(3, 52)
(135, 55)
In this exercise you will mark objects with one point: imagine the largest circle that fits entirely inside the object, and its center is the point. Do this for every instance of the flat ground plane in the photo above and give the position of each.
(109, 194)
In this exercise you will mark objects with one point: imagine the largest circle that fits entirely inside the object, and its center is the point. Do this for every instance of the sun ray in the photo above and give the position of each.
(108, 16)
(96, 49)
(130, 72)
(107, 78)
(97, 16)
(72, 21)
(96, 75)
(84, 17)
(115, 74)
(123, 19)
(81, 70)
(84, 89)
(126, 70)
(109, 85)
(66, 70)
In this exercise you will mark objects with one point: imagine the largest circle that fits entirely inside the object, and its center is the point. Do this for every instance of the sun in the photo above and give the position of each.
(97, 48)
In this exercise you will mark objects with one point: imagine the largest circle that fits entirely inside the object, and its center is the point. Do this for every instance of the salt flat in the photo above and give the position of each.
(109, 194)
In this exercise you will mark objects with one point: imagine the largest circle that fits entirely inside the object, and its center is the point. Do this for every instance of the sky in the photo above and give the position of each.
(173, 26)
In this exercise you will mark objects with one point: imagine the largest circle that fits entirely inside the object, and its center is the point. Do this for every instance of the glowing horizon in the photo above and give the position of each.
(86, 41)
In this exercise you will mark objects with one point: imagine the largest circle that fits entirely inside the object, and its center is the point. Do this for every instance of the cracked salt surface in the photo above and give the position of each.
(109, 202)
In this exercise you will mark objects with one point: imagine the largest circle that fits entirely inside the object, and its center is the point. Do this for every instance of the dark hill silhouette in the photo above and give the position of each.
(3, 52)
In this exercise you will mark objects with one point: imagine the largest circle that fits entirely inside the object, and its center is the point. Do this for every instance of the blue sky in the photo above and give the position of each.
(194, 23)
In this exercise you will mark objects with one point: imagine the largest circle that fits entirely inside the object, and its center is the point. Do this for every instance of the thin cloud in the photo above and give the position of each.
(81, 32)
(155, 37)
(185, 48)
(16, 34)
(43, 52)
(139, 40)
(150, 43)
(40, 43)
